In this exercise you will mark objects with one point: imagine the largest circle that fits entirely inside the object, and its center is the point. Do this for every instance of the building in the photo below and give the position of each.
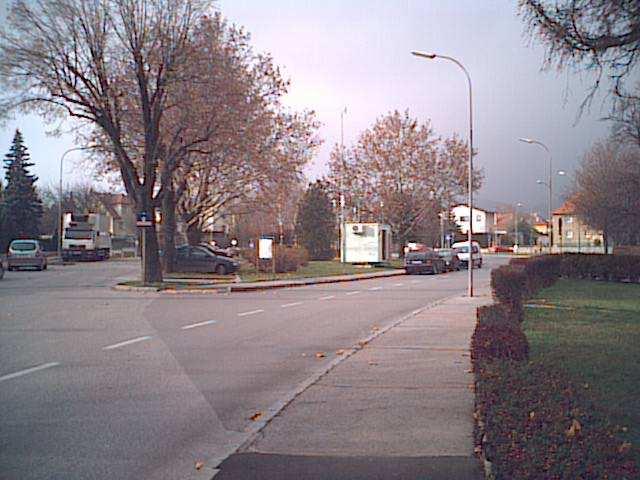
(485, 228)
(572, 234)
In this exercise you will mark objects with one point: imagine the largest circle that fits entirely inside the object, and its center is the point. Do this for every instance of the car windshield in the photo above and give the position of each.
(444, 253)
(464, 249)
(23, 246)
(77, 234)
(416, 256)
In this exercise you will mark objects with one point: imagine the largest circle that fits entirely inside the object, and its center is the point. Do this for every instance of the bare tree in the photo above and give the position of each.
(84, 58)
(401, 173)
(600, 35)
(606, 191)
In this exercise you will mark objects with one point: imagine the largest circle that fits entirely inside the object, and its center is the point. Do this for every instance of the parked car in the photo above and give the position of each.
(451, 259)
(26, 254)
(462, 249)
(200, 259)
(1, 269)
(427, 261)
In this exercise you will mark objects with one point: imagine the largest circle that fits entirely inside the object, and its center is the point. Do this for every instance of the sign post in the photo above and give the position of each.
(143, 221)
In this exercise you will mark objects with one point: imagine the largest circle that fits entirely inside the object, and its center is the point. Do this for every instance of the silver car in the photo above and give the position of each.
(26, 254)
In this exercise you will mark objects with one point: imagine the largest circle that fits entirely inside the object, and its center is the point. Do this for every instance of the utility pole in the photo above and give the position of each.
(342, 200)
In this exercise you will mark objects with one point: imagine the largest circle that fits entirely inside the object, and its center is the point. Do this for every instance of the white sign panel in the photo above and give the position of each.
(265, 248)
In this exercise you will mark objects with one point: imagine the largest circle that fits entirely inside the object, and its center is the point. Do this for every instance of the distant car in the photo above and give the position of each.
(423, 262)
(1, 269)
(200, 259)
(26, 254)
(462, 249)
(451, 259)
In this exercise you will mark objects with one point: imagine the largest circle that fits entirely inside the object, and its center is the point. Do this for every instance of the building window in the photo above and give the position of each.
(569, 234)
(569, 219)
(464, 218)
(478, 218)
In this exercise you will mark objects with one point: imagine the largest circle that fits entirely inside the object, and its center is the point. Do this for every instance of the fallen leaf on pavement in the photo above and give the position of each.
(532, 415)
(574, 429)
(199, 465)
(320, 355)
(340, 352)
(373, 363)
(624, 448)
(255, 416)
(375, 329)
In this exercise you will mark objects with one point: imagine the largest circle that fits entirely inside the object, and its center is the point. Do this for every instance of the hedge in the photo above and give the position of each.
(530, 422)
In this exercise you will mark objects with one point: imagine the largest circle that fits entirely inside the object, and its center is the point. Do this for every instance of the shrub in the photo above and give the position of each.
(497, 336)
(509, 285)
(288, 259)
(533, 424)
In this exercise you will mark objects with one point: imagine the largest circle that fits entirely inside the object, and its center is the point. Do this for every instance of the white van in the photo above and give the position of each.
(462, 249)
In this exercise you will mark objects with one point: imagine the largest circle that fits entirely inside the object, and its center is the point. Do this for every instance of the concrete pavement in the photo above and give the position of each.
(401, 407)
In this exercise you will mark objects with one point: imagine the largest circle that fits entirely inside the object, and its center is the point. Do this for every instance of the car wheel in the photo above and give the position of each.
(480, 264)
(221, 270)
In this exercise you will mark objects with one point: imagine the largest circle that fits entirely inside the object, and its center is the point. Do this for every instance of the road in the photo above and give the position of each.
(98, 384)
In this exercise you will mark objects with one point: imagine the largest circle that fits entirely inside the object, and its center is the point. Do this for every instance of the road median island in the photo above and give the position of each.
(556, 388)
(193, 285)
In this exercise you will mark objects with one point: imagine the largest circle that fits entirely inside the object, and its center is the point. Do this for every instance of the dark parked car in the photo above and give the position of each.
(451, 259)
(202, 260)
(423, 262)
(26, 254)
(1, 269)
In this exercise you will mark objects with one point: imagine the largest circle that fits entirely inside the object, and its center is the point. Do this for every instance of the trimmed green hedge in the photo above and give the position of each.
(530, 422)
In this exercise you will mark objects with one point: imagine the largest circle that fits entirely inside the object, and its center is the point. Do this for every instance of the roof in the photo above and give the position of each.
(475, 207)
(567, 208)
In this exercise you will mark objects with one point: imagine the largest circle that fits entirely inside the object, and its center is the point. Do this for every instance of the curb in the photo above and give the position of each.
(255, 286)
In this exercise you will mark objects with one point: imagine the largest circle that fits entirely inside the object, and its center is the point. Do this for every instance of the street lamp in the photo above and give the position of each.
(550, 184)
(515, 225)
(60, 222)
(342, 202)
(432, 56)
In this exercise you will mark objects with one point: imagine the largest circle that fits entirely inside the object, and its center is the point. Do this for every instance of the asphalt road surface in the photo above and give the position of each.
(98, 384)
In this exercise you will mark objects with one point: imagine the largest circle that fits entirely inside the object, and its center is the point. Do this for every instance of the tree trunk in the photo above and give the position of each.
(153, 269)
(194, 234)
(168, 226)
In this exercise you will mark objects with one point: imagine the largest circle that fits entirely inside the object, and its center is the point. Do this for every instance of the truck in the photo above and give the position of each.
(85, 237)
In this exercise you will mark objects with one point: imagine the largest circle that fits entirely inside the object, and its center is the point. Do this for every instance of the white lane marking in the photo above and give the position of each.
(200, 324)
(415, 281)
(252, 312)
(28, 370)
(398, 284)
(127, 342)
(328, 297)
(287, 305)
(375, 288)
(353, 293)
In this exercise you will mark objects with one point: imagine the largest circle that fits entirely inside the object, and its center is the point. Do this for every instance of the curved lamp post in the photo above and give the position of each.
(432, 56)
(549, 184)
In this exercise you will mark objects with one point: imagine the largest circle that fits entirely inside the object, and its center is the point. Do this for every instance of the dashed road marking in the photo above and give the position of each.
(127, 342)
(28, 371)
(353, 293)
(375, 288)
(327, 297)
(294, 304)
(252, 312)
(398, 284)
(200, 324)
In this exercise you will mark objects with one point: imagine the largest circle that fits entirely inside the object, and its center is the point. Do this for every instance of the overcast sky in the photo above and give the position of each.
(356, 54)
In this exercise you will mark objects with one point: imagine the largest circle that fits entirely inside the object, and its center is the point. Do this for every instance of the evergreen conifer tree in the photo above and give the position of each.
(315, 226)
(21, 204)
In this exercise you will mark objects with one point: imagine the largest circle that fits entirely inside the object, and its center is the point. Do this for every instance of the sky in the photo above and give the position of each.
(356, 54)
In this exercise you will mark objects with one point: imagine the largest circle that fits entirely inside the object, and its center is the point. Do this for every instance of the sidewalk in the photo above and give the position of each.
(401, 407)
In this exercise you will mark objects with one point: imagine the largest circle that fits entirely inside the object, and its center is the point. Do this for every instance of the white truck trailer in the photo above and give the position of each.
(85, 237)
